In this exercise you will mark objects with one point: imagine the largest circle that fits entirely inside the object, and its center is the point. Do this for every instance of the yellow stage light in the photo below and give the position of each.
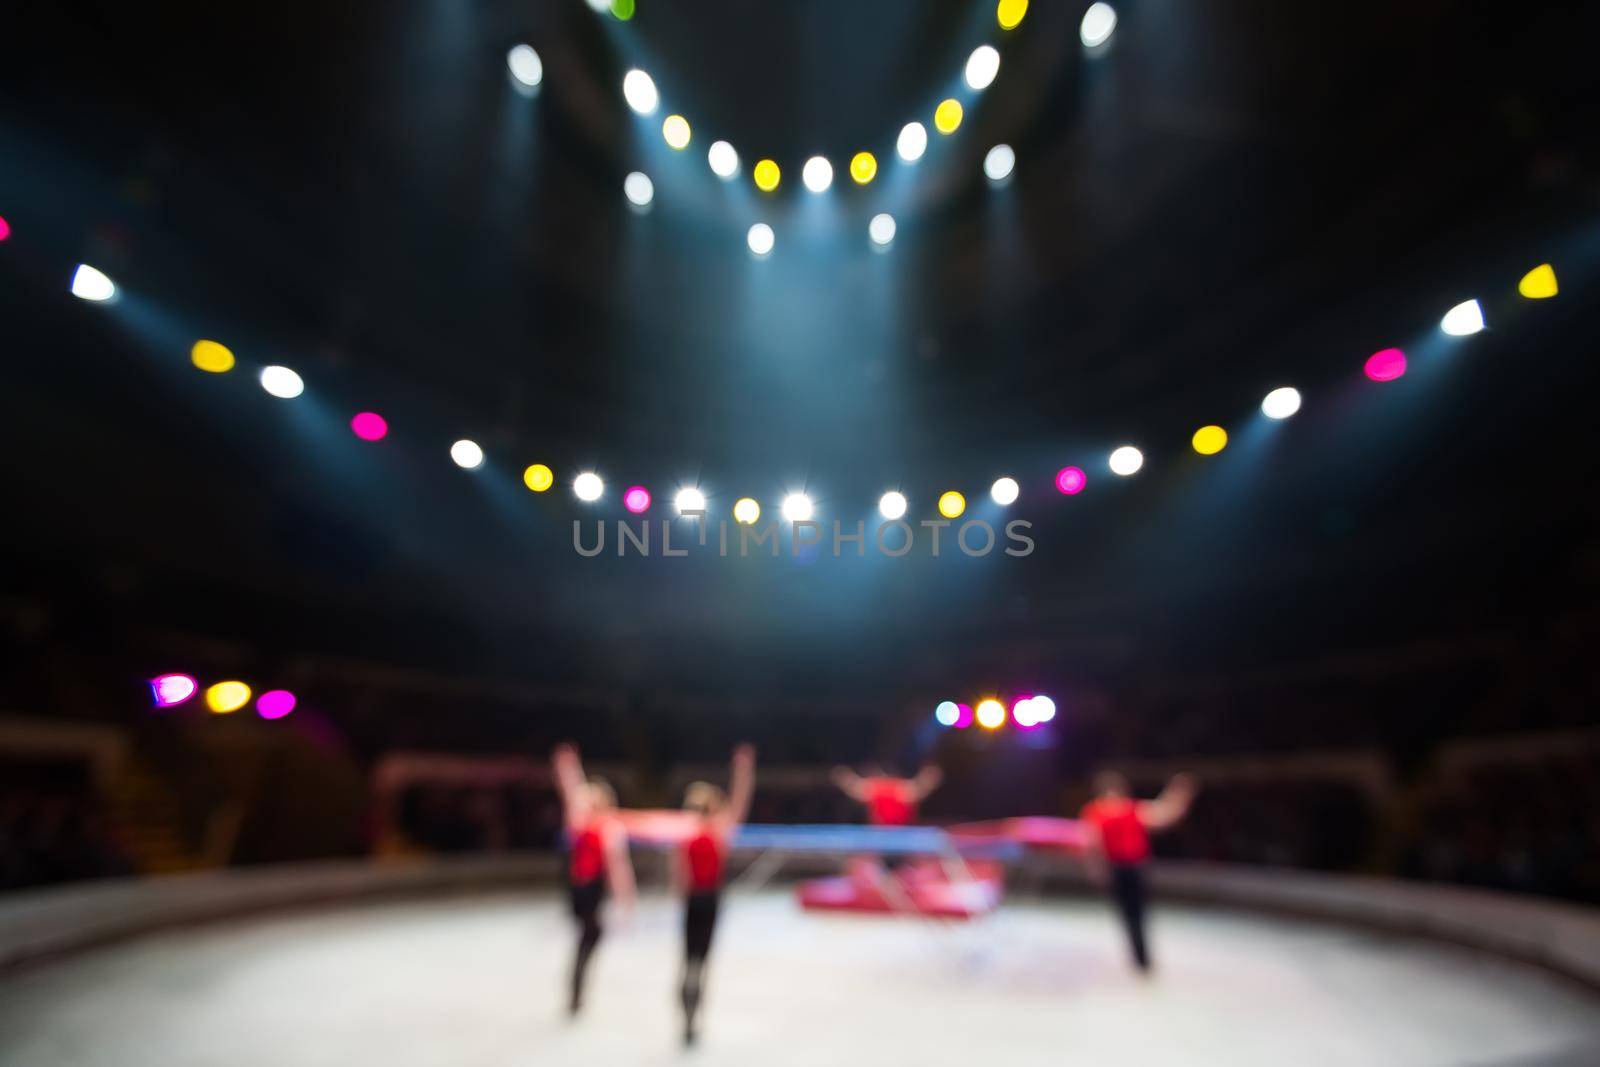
(863, 167)
(991, 714)
(952, 504)
(1009, 13)
(211, 356)
(1539, 283)
(227, 696)
(538, 477)
(766, 175)
(1209, 440)
(947, 116)
(746, 511)
(675, 128)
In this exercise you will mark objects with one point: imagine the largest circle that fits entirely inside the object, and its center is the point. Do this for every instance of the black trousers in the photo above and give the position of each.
(699, 923)
(1128, 892)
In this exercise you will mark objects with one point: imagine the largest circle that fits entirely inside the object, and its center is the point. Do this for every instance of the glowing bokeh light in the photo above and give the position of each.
(817, 174)
(1098, 22)
(863, 167)
(766, 175)
(1022, 713)
(952, 504)
(1126, 460)
(1009, 13)
(723, 159)
(746, 511)
(639, 90)
(538, 477)
(5, 228)
(225, 697)
(525, 64)
(369, 426)
(1463, 320)
(892, 505)
(1043, 709)
(964, 716)
(947, 116)
(1209, 440)
(797, 507)
(168, 690)
(588, 487)
(760, 239)
(91, 284)
(636, 499)
(675, 131)
(1071, 480)
(881, 229)
(212, 357)
(622, 10)
(912, 142)
(639, 189)
(1281, 402)
(982, 66)
(282, 382)
(275, 703)
(690, 498)
(1385, 365)
(1005, 491)
(1538, 284)
(990, 713)
(467, 454)
(999, 163)
(947, 713)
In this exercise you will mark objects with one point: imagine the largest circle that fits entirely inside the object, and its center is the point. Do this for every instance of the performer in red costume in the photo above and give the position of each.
(889, 801)
(598, 856)
(1118, 844)
(702, 868)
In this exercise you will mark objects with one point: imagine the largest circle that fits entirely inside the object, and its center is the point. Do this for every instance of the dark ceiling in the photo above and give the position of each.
(1229, 197)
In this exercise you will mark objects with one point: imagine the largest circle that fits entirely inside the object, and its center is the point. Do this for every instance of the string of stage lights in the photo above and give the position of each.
(982, 67)
(1126, 460)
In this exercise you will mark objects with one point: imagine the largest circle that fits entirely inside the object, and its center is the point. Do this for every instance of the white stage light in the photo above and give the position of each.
(723, 159)
(466, 454)
(948, 713)
(1005, 491)
(797, 507)
(1126, 460)
(1281, 403)
(90, 284)
(818, 174)
(760, 239)
(690, 499)
(892, 505)
(587, 487)
(282, 382)
(912, 142)
(1043, 709)
(1000, 161)
(639, 189)
(1098, 22)
(881, 229)
(1460, 321)
(639, 90)
(982, 66)
(525, 65)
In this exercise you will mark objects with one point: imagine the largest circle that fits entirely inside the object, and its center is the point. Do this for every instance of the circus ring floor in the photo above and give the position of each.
(476, 982)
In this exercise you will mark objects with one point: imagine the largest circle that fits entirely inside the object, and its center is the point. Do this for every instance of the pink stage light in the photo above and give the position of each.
(370, 426)
(1071, 480)
(170, 689)
(1387, 365)
(5, 228)
(963, 716)
(275, 703)
(637, 499)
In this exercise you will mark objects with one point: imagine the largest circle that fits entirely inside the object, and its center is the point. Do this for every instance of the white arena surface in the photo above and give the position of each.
(477, 980)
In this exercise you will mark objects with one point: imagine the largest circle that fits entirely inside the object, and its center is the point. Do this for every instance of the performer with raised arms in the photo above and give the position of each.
(1117, 844)
(889, 801)
(598, 856)
(702, 869)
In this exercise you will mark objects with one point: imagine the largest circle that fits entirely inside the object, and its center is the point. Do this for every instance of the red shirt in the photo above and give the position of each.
(890, 802)
(703, 858)
(1122, 832)
(588, 859)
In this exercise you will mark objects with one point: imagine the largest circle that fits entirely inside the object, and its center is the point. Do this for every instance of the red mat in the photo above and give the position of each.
(923, 887)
